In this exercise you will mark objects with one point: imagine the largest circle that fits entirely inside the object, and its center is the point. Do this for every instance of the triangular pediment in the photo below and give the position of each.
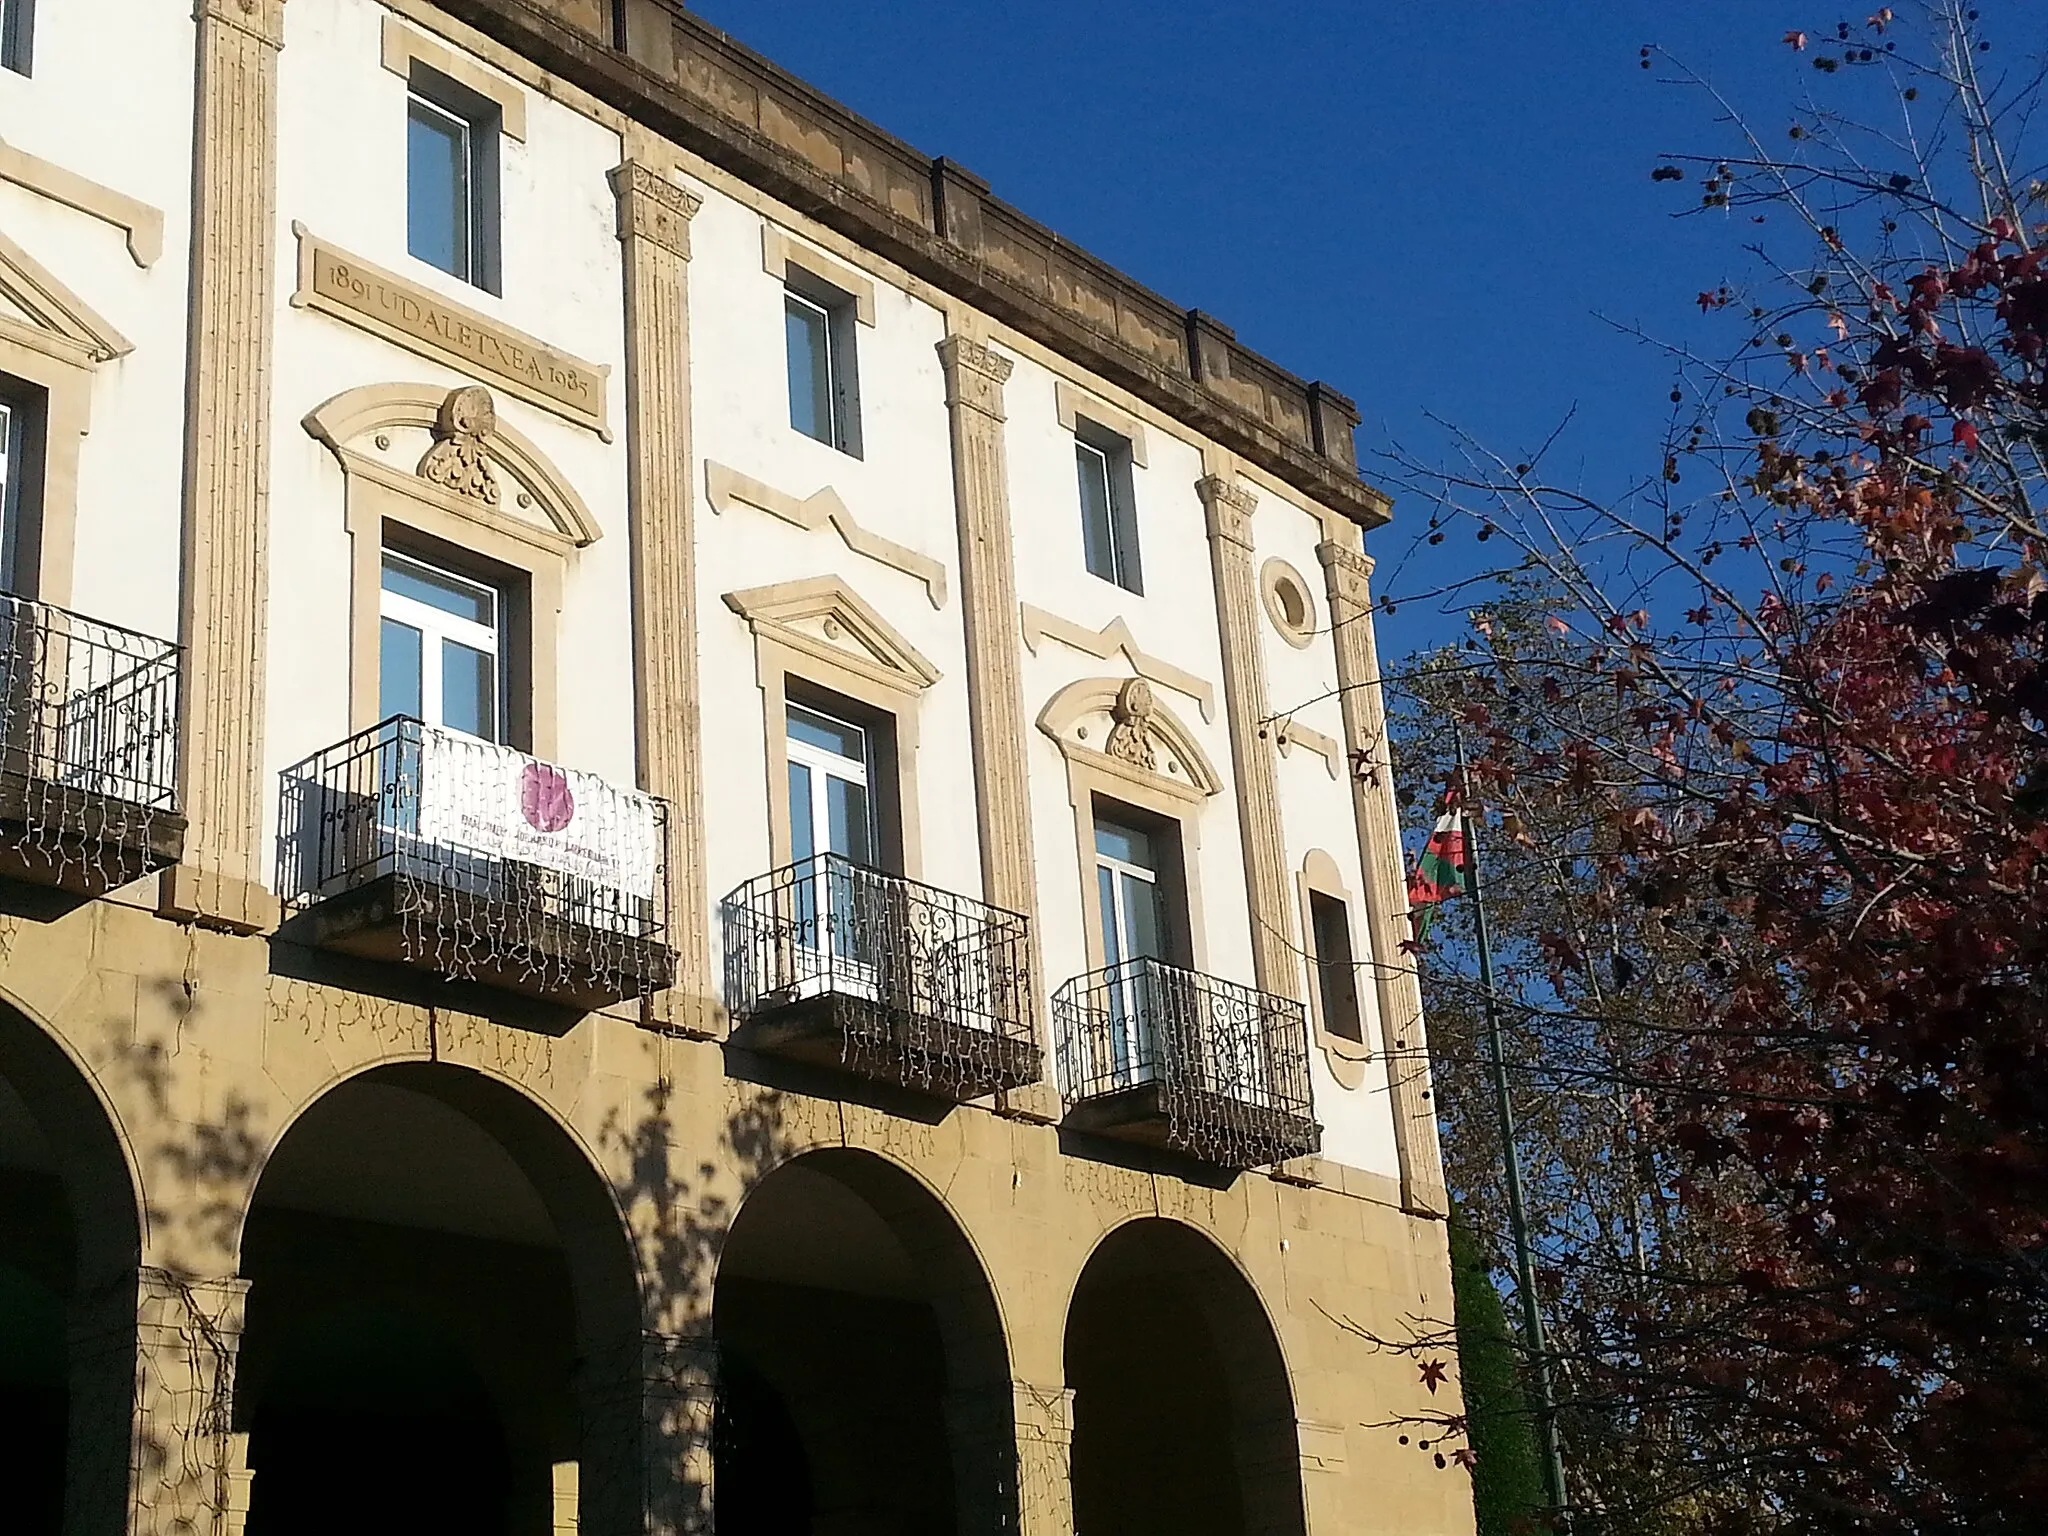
(33, 299)
(825, 617)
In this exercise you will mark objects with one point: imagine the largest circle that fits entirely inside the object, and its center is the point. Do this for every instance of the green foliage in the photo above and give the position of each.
(1507, 1481)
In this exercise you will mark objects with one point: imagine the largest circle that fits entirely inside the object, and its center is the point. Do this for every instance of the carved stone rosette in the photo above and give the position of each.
(1229, 510)
(654, 233)
(1348, 580)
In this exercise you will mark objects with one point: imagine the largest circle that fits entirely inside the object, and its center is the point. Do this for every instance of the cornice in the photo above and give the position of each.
(696, 87)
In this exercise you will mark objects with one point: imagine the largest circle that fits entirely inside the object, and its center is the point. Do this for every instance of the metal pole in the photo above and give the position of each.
(1518, 1215)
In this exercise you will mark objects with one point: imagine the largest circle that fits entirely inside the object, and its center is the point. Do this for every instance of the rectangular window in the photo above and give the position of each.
(440, 654)
(824, 385)
(17, 34)
(1109, 522)
(451, 178)
(1336, 971)
(21, 477)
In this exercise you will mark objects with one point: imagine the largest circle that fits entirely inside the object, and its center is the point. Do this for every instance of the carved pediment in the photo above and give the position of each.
(824, 617)
(43, 311)
(450, 445)
(1121, 724)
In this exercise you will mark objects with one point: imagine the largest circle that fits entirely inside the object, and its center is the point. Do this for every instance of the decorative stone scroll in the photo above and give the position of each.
(459, 460)
(726, 486)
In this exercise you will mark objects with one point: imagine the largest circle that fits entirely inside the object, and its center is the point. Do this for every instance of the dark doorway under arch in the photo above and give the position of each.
(70, 1244)
(864, 1381)
(1183, 1418)
(430, 1258)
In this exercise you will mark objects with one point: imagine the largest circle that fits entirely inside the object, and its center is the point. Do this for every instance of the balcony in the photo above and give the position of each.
(88, 750)
(1170, 1058)
(426, 848)
(835, 964)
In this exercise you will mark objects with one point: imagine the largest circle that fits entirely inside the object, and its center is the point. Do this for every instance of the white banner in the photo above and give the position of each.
(501, 802)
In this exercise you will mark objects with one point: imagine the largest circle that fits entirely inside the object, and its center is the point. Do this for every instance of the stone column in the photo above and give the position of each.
(1011, 1439)
(1045, 1459)
(1229, 509)
(975, 376)
(1348, 580)
(654, 235)
(647, 1414)
(164, 1352)
(227, 467)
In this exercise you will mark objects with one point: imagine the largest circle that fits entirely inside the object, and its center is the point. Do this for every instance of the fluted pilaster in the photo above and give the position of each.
(1230, 509)
(654, 232)
(1348, 579)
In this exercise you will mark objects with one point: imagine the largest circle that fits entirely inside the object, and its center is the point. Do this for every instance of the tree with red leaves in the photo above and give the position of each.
(1763, 752)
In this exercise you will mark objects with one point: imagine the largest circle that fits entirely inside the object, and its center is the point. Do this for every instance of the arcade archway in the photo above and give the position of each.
(70, 1244)
(864, 1382)
(1183, 1418)
(438, 1278)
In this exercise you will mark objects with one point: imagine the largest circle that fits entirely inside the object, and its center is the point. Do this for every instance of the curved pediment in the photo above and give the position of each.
(465, 448)
(1120, 724)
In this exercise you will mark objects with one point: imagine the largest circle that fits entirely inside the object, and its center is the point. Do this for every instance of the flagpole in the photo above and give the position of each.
(1518, 1215)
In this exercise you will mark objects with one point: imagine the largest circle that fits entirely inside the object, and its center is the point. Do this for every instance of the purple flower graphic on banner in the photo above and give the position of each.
(544, 798)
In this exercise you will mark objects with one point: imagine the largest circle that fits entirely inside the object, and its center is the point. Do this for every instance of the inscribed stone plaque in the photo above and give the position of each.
(420, 320)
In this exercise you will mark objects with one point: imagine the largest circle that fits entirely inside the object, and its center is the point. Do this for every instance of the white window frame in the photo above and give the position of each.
(1135, 1023)
(1113, 456)
(437, 627)
(12, 428)
(839, 312)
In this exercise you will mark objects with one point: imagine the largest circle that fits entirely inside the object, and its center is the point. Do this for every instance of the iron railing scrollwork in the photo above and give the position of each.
(927, 987)
(88, 738)
(1226, 1064)
(495, 860)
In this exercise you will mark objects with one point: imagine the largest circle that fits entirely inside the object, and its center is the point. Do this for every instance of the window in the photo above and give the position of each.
(451, 178)
(17, 34)
(439, 655)
(830, 807)
(21, 464)
(824, 387)
(1133, 907)
(1109, 524)
(1336, 972)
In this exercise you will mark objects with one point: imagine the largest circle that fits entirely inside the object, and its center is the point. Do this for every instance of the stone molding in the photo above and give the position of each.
(975, 376)
(1112, 639)
(682, 78)
(654, 235)
(1346, 1057)
(1276, 577)
(725, 486)
(225, 599)
(63, 323)
(1074, 406)
(1229, 510)
(851, 633)
(1167, 758)
(138, 221)
(1289, 734)
(780, 251)
(1348, 577)
(429, 324)
(402, 47)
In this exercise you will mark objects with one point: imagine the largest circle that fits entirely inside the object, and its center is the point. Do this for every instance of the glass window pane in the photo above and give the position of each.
(852, 829)
(1112, 930)
(1141, 917)
(437, 192)
(802, 842)
(827, 734)
(1097, 528)
(469, 690)
(1125, 844)
(398, 670)
(438, 589)
(1336, 972)
(10, 474)
(808, 330)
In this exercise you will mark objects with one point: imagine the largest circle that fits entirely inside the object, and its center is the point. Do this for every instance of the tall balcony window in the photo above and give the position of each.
(440, 646)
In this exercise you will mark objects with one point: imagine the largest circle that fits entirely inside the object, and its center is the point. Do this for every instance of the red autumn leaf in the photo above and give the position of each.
(1433, 1374)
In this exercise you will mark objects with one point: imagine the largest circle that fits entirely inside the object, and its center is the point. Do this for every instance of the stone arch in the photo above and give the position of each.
(539, 1222)
(71, 1246)
(1183, 1414)
(920, 1368)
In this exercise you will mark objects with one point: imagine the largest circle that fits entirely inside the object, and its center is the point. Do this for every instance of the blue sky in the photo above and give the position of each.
(1430, 205)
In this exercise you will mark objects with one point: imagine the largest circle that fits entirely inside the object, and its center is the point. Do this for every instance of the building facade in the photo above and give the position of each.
(692, 827)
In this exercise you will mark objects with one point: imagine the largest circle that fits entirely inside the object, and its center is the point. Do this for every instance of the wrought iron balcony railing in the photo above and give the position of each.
(832, 962)
(88, 749)
(1152, 1053)
(427, 847)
